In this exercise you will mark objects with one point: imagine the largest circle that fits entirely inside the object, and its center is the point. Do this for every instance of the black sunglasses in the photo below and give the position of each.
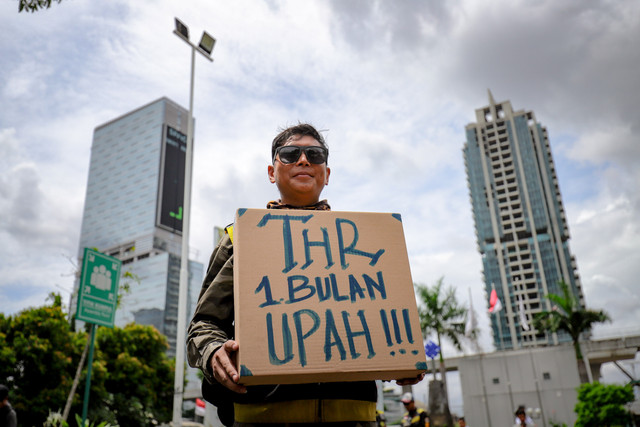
(291, 153)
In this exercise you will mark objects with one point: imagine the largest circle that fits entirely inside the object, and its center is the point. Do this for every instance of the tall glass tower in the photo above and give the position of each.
(521, 227)
(133, 211)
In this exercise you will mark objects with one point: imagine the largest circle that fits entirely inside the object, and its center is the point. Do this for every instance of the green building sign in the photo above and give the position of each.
(98, 292)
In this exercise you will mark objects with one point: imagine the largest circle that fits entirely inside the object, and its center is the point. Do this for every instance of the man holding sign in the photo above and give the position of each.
(299, 170)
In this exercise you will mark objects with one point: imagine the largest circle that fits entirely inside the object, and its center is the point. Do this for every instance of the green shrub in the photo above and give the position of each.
(603, 405)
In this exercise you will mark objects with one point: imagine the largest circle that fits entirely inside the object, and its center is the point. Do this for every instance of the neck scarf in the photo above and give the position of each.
(322, 205)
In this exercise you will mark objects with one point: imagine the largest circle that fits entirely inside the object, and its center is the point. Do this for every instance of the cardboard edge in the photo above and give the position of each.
(326, 377)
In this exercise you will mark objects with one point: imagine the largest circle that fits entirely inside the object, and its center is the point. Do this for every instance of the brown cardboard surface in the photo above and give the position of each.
(323, 296)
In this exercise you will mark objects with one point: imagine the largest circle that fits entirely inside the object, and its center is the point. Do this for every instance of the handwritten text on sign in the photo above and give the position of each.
(331, 289)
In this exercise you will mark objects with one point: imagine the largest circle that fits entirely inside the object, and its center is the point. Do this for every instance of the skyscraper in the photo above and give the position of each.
(521, 227)
(133, 211)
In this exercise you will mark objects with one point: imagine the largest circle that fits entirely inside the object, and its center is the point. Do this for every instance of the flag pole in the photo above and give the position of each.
(472, 325)
(524, 324)
(87, 386)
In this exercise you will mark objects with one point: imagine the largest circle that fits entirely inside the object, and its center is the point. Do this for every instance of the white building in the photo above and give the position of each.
(544, 380)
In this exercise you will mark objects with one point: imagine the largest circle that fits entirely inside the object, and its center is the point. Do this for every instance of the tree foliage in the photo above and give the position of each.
(134, 360)
(38, 360)
(603, 405)
(131, 380)
(34, 5)
(569, 316)
(440, 313)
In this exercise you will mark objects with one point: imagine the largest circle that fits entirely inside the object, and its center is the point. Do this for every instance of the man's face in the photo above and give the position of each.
(409, 406)
(521, 416)
(301, 182)
(461, 423)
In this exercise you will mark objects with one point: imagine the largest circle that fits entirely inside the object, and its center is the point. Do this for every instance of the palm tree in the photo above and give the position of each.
(440, 313)
(567, 315)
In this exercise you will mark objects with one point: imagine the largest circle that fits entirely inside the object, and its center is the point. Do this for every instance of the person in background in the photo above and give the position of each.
(381, 419)
(7, 414)
(414, 417)
(462, 422)
(522, 419)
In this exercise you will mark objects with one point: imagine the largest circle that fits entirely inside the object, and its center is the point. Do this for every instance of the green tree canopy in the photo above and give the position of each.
(139, 376)
(602, 405)
(131, 382)
(38, 360)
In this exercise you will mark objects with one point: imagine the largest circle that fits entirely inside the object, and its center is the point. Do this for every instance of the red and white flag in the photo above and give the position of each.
(200, 407)
(494, 302)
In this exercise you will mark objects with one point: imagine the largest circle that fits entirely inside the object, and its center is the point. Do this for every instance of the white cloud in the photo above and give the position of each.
(607, 143)
(606, 242)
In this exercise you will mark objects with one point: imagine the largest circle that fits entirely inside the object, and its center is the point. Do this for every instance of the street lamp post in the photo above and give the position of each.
(205, 47)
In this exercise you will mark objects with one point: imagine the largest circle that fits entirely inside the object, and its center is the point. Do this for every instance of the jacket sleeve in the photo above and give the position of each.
(212, 323)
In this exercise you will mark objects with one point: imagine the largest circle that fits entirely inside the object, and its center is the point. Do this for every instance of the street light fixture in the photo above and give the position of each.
(205, 48)
(183, 30)
(207, 42)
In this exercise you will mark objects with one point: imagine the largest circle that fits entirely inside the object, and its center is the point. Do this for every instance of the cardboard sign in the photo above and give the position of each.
(323, 296)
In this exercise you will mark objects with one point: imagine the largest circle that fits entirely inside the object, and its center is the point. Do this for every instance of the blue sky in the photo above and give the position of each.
(393, 84)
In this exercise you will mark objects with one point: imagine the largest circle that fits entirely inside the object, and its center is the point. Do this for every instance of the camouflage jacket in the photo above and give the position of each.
(212, 323)
(212, 326)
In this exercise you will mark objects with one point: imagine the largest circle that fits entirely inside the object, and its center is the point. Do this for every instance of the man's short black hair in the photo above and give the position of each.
(299, 130)
(4, 392)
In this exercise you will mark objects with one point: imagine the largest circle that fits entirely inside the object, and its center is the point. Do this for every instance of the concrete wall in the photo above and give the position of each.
(543, 379)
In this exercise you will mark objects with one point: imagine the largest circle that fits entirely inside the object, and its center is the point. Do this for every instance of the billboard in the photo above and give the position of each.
(171, 187)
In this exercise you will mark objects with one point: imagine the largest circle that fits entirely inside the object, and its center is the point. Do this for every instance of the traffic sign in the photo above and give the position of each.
(98, 292)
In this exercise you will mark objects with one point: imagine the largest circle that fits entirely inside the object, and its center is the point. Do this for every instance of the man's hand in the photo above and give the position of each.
(223, 365)
(410, 381)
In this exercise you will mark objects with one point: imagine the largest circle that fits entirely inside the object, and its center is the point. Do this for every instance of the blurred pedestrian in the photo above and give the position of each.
(462, 422)
(414, 417)
(7, 414)
(522, 419)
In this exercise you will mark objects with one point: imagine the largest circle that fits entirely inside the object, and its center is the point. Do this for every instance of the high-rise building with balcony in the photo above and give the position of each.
(521, 227)
(133, 211)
